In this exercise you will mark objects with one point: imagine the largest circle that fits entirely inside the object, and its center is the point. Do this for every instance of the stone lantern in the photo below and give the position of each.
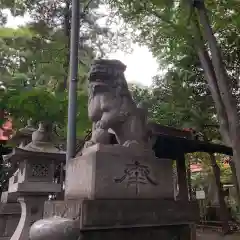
(23, 136)
(33, 181)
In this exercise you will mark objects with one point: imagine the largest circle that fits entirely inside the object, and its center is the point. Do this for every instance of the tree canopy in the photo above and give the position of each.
(169, 29)
(34, 60)
(200, 86)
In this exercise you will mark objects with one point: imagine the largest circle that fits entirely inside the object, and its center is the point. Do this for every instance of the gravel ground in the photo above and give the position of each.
(208, 235)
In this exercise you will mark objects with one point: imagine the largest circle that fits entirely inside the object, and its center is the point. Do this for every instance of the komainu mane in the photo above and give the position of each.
(111, 107)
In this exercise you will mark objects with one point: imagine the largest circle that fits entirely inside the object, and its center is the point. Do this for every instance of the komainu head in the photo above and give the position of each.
(108, 75)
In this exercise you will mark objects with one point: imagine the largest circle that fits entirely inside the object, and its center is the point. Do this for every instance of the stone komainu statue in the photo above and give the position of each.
(111, 107)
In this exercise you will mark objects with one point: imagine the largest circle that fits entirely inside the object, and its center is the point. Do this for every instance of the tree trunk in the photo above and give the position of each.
(224, 215)
(222, 78)
(223, 82)
(210, 74)
(212, 83)
(235, 181)
(222, 116)
(213, 87)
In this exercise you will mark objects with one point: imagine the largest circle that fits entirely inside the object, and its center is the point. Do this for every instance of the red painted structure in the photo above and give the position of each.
(6, 130)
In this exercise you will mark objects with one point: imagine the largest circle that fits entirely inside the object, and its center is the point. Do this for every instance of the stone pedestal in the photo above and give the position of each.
(145, 233)
(115, 192)
(9, 218)
(117, 172)
(7, 197)
(118, 219)
(31, 211)
(109, 214)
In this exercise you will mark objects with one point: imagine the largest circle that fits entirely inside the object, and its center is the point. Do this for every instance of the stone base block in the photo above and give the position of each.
(181, 232)
(9, 217)
(31, 211)
(117, 172)
(105, 214)
(40, 188)
(119, 219)
(7, 197)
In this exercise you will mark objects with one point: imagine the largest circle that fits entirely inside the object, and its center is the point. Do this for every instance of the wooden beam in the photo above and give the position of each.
(164, 147)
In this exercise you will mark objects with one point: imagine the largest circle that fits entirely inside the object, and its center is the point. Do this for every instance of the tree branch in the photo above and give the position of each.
(87, 6)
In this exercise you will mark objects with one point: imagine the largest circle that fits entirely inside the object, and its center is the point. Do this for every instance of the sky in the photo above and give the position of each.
(141, 66)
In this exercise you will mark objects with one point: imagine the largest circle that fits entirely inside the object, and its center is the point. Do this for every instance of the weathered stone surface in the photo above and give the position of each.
(65, 229)
(34, 174)
(32, 181)
(136, 213)
(66, 209)
(11, 222)
(55, 228)
(101, 214)
(10, 208)
(31, 211)
(7, 197)
(118, 172)
(9, 218)
(110, 106)
(35, 187)
(181, 232)
(43, 140)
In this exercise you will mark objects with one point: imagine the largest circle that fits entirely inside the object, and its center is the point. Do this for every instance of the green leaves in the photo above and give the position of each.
(31, 68)
(10, 33)
(180, 98)
(42, 105)
(39, 105)
(83, 123)
(165, 27)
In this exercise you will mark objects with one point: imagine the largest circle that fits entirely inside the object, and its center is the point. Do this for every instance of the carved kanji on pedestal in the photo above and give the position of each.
(136, 174)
